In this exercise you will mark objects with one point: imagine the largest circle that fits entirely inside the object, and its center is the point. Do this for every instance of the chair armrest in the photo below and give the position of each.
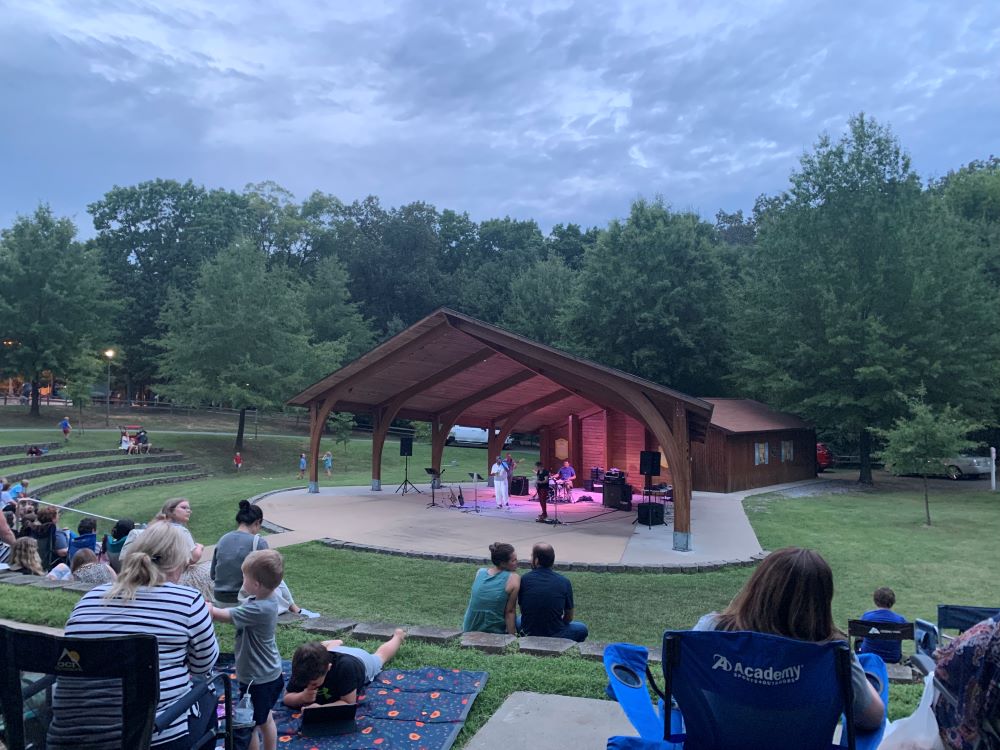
(38, 686)
(922, 663)
(182, 705)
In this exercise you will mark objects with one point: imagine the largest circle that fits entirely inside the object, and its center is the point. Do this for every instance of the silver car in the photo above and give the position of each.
(956, 467)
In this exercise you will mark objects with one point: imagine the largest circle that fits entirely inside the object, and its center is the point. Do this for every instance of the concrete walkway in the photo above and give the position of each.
(721, 531)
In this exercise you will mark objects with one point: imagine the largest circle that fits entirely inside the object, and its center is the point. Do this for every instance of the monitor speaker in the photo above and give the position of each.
(406, 446)
(649, 463)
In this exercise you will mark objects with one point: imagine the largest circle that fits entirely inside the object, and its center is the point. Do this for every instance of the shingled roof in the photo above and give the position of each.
(739, 415)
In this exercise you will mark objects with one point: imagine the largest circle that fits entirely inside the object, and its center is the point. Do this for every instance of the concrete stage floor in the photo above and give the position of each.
(590, 534)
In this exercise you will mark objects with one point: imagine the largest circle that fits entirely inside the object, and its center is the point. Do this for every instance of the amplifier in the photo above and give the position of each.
(650, 514)
(519, 485)
(617, 496)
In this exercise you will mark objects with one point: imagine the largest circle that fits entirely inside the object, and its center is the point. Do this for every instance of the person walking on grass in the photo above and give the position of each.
(258, 662)
(66, 428)
(238, 461)
(328, 463)
(302, 466)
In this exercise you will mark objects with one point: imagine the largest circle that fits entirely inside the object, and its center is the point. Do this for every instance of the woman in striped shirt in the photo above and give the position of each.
(145, 599)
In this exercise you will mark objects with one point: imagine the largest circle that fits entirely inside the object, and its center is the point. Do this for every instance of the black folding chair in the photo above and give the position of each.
(114, 680)
(858, 630)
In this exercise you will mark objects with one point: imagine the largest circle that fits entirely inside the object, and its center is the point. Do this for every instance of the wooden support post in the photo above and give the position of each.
(380, 428)
(439, 438)
(545, 447)
(315, 436)
(608, 449)
(681, 474)
(574, 432)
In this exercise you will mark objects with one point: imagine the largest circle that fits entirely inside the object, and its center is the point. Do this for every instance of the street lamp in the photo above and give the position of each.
(110, 354)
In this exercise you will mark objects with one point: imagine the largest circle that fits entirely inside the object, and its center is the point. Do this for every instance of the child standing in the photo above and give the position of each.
(302, 466)
(258, 662)
(328, 462)
(238, 461)
(66, 428)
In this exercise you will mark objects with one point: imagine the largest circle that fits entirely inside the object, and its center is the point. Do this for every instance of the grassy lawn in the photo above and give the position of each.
(870, 538)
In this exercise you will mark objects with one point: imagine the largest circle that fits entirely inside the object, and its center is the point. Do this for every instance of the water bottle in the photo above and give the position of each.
(243, 715)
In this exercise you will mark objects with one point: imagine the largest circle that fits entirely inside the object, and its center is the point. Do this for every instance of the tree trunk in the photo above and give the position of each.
(865, 456)
(927, 503)
(36, 397)
(239, 430)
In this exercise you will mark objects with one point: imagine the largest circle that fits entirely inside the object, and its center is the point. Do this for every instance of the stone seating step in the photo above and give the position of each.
(328, 626)
(432, 634)
(379, 631)
(490, 643)
(540, 646)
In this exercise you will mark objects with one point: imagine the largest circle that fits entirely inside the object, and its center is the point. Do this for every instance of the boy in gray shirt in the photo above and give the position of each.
(258, 662)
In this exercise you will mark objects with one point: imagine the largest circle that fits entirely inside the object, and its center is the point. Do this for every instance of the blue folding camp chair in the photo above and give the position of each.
(740, 690)
(960, 617)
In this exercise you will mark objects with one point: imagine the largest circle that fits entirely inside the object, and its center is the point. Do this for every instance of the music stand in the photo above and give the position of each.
(554, 521)
(476, 479)
(435, 480)
(406, 484)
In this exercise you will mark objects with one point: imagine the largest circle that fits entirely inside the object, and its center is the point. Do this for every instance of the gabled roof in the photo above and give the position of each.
(738, 415)
(450, 361)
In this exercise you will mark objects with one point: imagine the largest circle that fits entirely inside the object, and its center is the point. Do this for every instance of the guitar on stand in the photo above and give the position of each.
(476, 479)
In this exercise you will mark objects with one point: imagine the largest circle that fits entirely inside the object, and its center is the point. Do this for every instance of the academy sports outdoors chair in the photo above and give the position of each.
(128, 670)
(741, 690)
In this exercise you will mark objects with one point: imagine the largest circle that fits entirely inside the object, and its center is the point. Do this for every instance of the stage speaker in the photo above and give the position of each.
(406, 446)
(519, 485)
(649, 463)
(617, 496)
(650, 514)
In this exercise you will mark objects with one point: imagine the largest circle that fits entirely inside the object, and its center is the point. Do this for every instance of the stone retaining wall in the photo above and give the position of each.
(108, 476)
(11, 450)
(7, 462)
(45, 471)
(152, 481)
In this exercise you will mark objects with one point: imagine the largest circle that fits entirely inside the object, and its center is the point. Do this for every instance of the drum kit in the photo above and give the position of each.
(560, 490)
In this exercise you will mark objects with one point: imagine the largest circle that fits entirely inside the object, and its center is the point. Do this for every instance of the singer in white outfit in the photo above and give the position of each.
(499, 474)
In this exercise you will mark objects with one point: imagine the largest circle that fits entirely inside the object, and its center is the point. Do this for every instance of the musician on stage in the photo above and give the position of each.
(568, 475)
(510, 463)
(542, 488)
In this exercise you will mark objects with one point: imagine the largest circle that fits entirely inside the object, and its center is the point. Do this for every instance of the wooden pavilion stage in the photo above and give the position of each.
(591, 534)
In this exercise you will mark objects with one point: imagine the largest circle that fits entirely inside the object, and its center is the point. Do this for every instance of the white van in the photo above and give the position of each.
(473, 436)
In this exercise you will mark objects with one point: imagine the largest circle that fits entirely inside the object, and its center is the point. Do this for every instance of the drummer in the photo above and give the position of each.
(542, 488)
(567, 475)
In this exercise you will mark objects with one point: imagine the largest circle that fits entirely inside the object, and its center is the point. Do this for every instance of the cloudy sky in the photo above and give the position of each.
(550, 109)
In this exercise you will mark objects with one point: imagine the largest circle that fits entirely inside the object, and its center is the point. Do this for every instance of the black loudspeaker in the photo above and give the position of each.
(649, 463)
(406, 446)
(519, 485)
(617, 496)
(650, 514)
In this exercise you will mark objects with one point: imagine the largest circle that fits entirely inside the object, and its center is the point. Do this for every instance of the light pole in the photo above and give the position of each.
(110, 354)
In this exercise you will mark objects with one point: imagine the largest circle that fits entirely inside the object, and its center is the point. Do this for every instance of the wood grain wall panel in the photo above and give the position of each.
(709, 463)
(744, 474)
(593, 444)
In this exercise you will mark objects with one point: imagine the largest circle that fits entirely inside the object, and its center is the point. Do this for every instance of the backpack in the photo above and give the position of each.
(969, 669)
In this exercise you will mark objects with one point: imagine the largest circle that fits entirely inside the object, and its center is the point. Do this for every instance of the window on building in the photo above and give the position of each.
(787, 451)
(759, 454)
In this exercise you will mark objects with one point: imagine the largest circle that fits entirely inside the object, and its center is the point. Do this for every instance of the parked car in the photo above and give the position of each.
(474, 436)
(955, 467)
(824, 457)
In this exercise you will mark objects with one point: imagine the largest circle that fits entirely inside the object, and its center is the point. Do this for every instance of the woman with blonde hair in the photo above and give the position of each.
(24, 557)
(791, 594)
(146, 598)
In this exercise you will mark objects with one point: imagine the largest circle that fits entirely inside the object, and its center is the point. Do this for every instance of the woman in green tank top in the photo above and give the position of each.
(493, 603)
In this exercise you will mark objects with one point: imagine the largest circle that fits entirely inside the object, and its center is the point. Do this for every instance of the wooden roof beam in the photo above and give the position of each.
(395, 403)
(539, 403)
(454, 410)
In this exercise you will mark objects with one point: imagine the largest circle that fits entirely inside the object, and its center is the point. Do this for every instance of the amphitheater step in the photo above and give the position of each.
(108, 476)
(64, 456)
(12, 450)
(136, 484)
(44, 471)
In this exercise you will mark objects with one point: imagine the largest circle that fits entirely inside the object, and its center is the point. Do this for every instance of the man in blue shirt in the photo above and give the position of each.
(890, 651)
(546, 600)
(21, 488)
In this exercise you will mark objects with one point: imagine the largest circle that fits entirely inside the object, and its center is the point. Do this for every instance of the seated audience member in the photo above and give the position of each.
(18, 489)
(330, 672)
(34, 450)
(791, 594)
(5, 496)
(84, 568)
(86, 537)
(146, 598)
(493, 603)
(143, 442)
(24, 557)
(113, 542)
(546, 600)
(48, 523)
(890, 651)
(969, 669)
(125, 444)
(7, 537)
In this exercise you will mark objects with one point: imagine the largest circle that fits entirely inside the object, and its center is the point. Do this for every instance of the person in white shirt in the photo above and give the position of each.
(499, 474)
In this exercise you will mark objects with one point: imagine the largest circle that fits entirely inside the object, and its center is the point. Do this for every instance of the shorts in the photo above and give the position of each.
(263, 695)
(373, 662)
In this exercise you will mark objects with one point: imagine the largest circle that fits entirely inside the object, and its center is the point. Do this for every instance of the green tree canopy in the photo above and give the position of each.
(240, 337)
(53, 299)
(649, 299)
(860, 290)
(921, 442)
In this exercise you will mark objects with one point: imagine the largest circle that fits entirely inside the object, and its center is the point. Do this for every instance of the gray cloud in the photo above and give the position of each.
(560, 111)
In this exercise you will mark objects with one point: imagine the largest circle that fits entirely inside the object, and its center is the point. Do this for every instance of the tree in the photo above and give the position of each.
(537, 303)
(81, 376)
(151, 240)
(859, 289)
(333, 317)
(649, 299)
(924, 440)
(239, 337)
(53, 299)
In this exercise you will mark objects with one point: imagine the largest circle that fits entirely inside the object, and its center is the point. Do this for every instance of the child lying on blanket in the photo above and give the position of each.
(330, 672)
